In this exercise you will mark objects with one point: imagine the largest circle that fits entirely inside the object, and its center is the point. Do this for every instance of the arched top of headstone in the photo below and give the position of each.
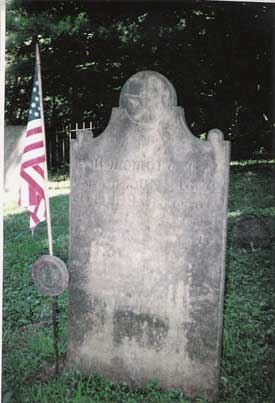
(146, 95)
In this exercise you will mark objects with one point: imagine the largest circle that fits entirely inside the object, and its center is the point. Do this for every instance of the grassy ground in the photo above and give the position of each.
(248, 312)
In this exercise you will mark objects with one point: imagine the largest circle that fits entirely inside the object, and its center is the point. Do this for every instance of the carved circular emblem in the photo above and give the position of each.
(50, 275)
(146, 95)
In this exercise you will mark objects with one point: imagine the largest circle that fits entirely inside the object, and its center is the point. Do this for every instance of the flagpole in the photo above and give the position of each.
(48, 214)
(47, 202)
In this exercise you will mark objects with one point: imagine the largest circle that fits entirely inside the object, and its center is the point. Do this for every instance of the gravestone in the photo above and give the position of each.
(14, 144)
(147, 244)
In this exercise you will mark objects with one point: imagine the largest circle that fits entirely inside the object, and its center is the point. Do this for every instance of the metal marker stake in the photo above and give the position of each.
(55, 333)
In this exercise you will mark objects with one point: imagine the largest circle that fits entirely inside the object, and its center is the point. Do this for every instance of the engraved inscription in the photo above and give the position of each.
(114, 198)
(127, 165)
(189, 180)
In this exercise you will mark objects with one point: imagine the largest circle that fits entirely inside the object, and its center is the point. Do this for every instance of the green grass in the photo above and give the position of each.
(27, 333)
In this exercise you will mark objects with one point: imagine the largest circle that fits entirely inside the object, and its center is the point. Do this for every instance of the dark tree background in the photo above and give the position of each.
(218, 55)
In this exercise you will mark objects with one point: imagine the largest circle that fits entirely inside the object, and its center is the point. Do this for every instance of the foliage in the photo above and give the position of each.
(218, 56)
(248, 312)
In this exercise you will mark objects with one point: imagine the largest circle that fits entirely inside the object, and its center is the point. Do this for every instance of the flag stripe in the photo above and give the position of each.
(33, 154)
(41, 209)
(35, 176)
(35, 186)
(33, 146)
(33, 139)
(35, 130)
(34, 161)
(24, 194)
(39, 170)
(35, 219)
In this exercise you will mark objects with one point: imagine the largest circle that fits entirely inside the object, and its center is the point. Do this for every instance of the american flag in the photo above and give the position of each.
(33, 166)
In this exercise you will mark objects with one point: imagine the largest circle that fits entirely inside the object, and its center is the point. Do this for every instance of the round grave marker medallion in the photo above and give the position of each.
(50, 275)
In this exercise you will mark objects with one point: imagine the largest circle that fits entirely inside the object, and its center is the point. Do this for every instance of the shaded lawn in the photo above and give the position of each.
(248, 312)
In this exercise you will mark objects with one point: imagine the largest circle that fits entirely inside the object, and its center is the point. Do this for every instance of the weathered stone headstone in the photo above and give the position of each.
(14, 144)
(147, 244)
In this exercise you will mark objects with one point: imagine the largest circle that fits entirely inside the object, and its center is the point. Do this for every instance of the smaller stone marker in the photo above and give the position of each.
(148, 214)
